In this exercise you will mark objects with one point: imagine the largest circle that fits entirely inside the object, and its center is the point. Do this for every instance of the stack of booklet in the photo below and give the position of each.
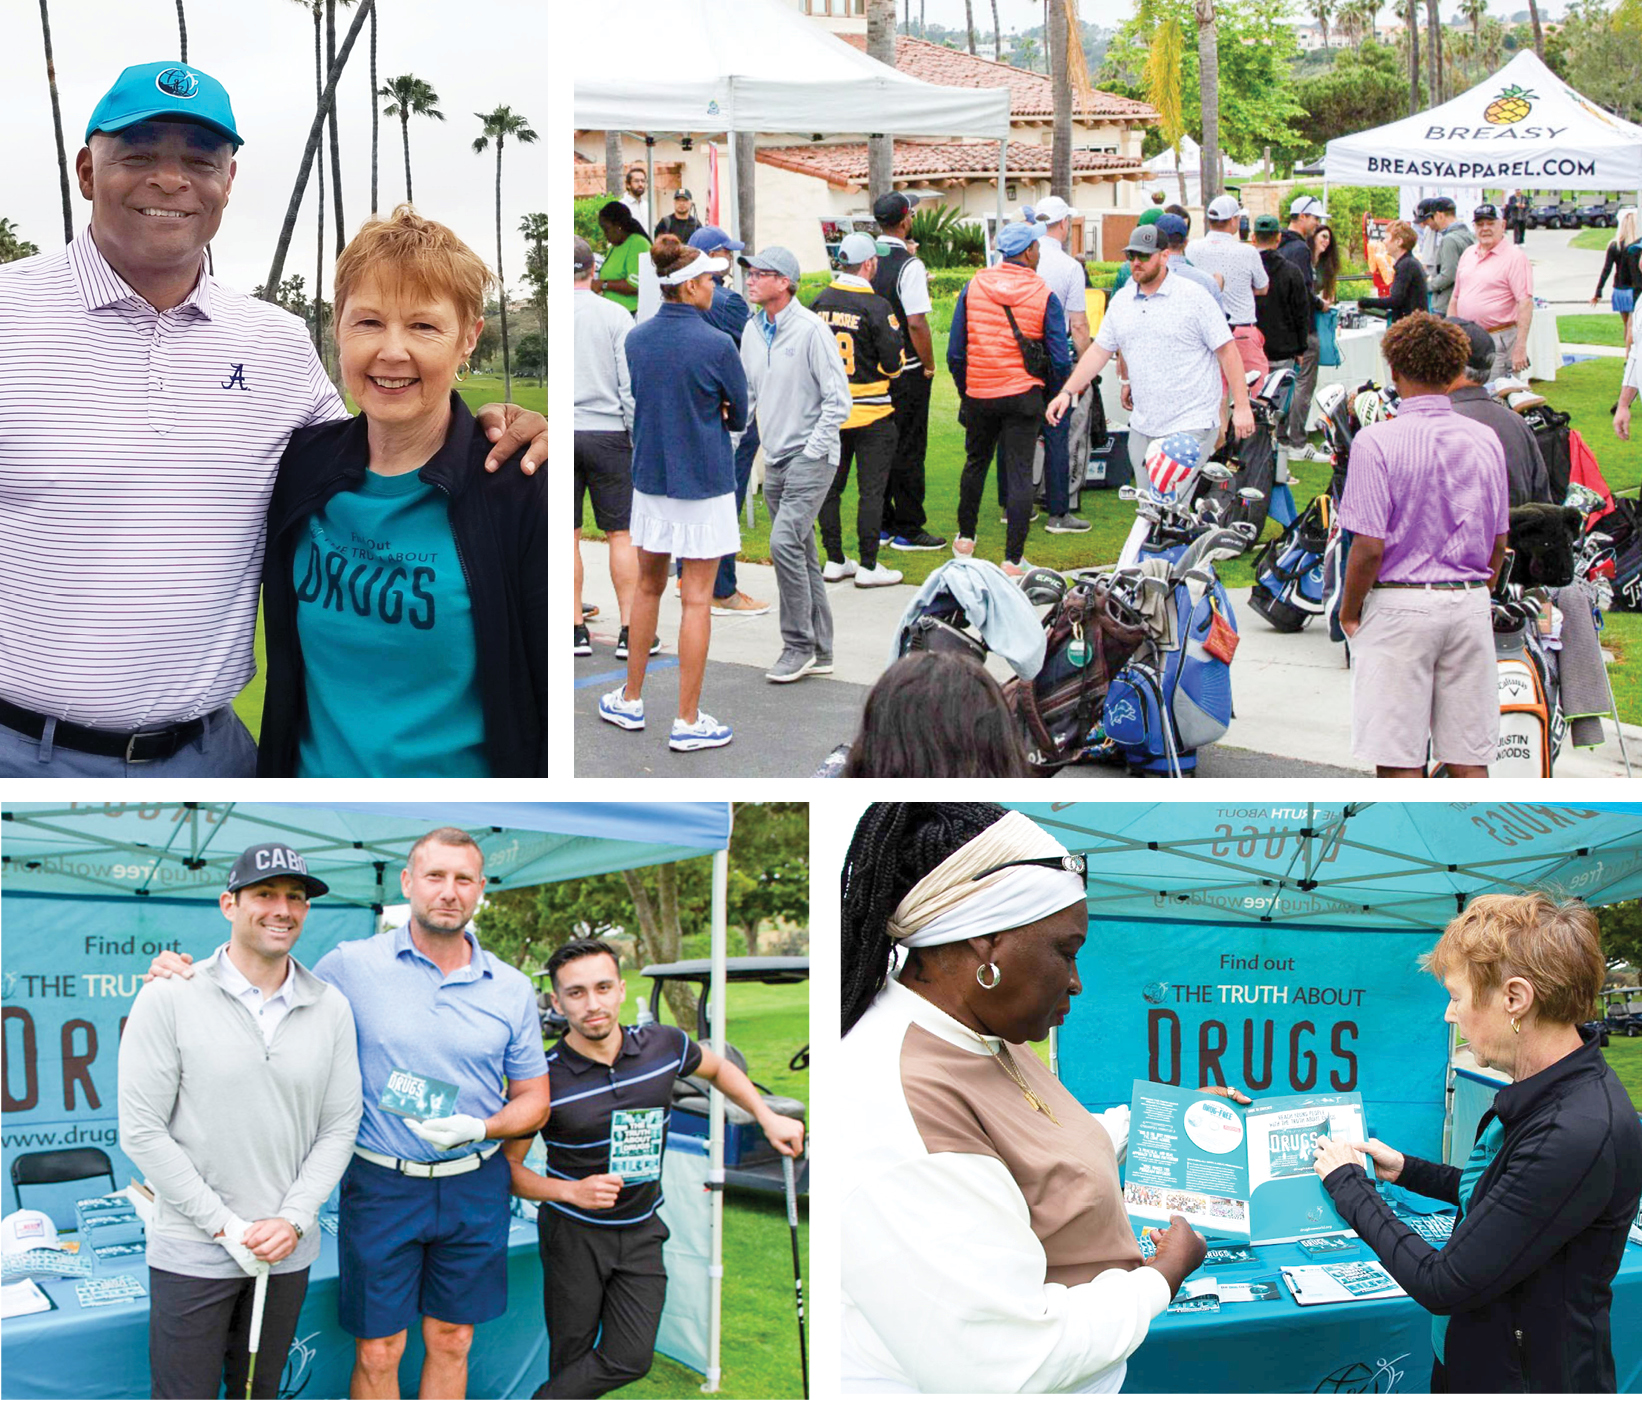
(104, 1222)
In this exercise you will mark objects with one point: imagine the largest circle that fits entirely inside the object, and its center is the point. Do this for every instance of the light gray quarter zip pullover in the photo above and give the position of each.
(796, 383)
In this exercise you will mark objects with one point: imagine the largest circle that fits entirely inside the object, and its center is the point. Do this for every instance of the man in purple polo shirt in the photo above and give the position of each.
(1426, 501)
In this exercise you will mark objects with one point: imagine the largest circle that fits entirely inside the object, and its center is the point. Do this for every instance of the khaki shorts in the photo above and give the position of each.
(1423, 670)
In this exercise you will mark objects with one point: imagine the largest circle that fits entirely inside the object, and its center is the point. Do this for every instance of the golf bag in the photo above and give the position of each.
(1255, 460)
(1089, 633)
(1529, 720)
(1624, 525)
(1288, 571)
(1551, 433)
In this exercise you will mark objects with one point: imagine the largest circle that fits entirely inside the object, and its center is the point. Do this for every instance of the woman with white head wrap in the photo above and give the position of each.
(985, 1245)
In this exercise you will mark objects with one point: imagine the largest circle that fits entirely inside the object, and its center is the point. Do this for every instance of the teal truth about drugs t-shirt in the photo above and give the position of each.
(386, 627)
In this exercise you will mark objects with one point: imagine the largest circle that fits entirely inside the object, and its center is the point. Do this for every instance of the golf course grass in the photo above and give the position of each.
(759, 1355)
(1594, 328)
(1624, 1054)
(1592, 240)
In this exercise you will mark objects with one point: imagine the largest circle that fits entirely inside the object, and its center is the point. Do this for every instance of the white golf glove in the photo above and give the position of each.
(233, 1241)
(450, 1132)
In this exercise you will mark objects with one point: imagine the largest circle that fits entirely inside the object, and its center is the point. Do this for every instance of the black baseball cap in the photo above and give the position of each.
(1484, 211)
(267, 860)
(893, 207)
(1440, 204)
(1422, 210)
(1482, 345)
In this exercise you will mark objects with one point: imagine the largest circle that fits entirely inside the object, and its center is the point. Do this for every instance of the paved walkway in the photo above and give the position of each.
(1292, 692)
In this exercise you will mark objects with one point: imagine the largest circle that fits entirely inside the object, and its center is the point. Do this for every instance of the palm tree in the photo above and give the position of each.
(613, 162)
(1473, 11)
(1539, 31)
(535, 228)
(881, 46)
(1321, 11)
(11, 247)
(498, 126)
(408, 96)
(182, 32)
(997, 34)
(57, 122)
(1163, 86)
(1409, 12)
(373, 110)
(1434, 50)
(1060, 69)
(336, 146)
(1208, 69)
(969, 23)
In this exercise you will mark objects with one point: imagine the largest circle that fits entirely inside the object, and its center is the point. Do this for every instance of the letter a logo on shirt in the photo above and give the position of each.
(236, 378)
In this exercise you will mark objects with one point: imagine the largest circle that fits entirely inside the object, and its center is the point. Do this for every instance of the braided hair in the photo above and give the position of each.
(894, 847)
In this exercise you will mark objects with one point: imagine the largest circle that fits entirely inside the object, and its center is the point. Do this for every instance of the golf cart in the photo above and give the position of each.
(1622, 1011)
(749, 1160)
(1548, 214)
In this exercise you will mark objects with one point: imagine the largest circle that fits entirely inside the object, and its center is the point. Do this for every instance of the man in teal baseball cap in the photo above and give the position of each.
(179, 394)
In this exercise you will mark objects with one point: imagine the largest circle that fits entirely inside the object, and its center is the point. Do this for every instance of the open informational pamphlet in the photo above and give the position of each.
(23, 1297)
(1342, 1283)
(1235, 1173)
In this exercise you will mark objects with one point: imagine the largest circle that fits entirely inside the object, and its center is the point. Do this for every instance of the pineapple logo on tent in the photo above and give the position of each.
(1510, 107)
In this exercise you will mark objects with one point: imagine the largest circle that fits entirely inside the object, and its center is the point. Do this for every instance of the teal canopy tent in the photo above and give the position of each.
(92, 891)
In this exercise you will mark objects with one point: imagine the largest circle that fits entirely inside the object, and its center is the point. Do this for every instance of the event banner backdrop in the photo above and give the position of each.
(1269, 1010)
(72, 970)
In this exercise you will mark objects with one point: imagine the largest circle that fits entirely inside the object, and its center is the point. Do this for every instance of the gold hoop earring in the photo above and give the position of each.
(464, 371)
(997, 976)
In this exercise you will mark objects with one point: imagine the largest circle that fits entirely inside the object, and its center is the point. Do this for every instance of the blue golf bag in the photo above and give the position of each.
(1288, 572)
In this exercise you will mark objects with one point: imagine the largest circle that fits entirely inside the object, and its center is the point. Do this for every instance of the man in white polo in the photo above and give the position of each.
(131, 548)
(1243, 276)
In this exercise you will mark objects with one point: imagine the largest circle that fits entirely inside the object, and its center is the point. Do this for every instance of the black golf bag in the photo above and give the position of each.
(1288, 571)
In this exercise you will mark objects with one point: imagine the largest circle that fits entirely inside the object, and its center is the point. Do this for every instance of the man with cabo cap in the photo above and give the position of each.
(903, 282)
(869, 340)
(130, 562)
(1453, 238)
(797, 387)
(1494, 286)
(442, 1024)
(239, 1099)
(1306, 216)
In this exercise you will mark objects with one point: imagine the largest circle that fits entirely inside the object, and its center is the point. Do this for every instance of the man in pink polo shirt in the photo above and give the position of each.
(1427, 504)
(1494, 286)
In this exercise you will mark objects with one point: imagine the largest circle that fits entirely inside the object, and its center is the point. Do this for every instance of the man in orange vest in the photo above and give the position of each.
(1008, 353)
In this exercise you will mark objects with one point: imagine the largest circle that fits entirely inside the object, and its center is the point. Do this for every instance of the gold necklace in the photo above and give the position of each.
(1007, 1061)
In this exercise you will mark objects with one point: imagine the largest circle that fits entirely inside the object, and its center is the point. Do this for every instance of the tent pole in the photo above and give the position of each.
(715, 1116)
(1003, 168)
(649, 184)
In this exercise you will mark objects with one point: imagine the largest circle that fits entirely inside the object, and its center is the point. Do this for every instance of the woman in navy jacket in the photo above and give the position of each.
(1408, 292)
(689, 396)
(1520, 1293)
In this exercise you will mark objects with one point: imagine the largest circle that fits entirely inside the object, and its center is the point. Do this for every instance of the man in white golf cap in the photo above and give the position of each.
(131, 547)
(239, 1099)
(1243, 276)
(1066, 280)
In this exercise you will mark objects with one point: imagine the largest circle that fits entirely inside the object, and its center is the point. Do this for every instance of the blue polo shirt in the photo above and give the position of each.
(475, 1028)
(586, 1097)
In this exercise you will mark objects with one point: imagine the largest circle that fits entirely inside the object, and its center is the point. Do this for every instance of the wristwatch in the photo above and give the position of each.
(293, 1225)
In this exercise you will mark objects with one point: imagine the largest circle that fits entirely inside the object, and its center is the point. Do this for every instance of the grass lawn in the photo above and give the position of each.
(760, 1345)
(1585, 391)
(1624, 1054)
(1595, 328)
(1592, 240)
(476, 392)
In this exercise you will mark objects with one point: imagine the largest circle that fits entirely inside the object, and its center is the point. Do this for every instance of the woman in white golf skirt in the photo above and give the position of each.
(689, 396)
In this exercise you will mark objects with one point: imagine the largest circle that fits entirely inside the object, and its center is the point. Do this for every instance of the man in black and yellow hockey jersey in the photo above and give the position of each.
(869, 339)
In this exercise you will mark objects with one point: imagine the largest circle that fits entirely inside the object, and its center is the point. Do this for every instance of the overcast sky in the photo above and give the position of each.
(263, 53)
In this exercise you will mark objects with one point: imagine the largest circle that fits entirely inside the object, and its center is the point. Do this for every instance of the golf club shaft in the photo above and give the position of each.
(259, 1297)
(797, 1276)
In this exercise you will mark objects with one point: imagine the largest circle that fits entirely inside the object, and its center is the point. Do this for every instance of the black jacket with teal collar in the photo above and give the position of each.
(499, 521)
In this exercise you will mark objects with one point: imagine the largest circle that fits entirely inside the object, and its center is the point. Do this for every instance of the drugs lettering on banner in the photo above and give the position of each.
(636, 1138)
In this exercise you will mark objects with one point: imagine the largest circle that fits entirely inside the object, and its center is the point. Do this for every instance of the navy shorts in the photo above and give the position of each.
(413, 1247)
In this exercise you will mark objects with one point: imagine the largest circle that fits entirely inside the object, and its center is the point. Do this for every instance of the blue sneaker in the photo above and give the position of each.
(883, 538)
(918, 540)
(618, 710)
(706, 733)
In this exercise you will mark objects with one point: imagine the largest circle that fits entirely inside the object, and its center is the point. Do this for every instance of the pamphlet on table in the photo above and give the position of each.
(1235, 1173)
(23, 1297)
(1343, 1283)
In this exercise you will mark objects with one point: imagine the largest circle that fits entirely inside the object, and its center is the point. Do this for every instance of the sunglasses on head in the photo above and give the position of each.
(1072, 865)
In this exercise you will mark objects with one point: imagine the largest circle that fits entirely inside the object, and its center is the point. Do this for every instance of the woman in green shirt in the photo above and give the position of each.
(618, 277)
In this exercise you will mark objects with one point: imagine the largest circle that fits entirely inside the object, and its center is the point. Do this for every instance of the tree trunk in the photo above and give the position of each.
(336, 145)
(746, 152)
(373, 113)
(880, 149)
(310, 151)
(969, 23)
(923, 25)
(1060, 151)
(749, 933)
(1411, 28)
(1208, 67)
(57, 124)
(182, 33)
(501, 282)
(1539, 31)
(404, 134)
(319, 240)
(997, 35)
(660, 937)
(613, 164)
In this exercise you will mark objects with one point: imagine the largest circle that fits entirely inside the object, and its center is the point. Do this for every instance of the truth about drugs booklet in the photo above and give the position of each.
(1235, 1172)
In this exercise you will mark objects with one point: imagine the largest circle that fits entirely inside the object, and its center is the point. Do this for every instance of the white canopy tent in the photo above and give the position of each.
(1161, 172)
(755, 66)
(1522, 129)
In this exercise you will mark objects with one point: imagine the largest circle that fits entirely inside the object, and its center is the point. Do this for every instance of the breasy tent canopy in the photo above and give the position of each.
(1522, 129)
(758, 66)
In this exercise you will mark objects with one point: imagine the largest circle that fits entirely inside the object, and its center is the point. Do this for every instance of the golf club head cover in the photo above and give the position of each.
(452, 1131)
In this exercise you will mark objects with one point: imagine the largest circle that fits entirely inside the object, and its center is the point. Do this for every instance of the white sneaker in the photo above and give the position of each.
(706, 733)
(876, 577)
(618, 710)
(832, 573)
(963, 547)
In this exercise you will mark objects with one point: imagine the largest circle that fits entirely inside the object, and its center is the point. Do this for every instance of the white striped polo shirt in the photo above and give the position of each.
(137, 455)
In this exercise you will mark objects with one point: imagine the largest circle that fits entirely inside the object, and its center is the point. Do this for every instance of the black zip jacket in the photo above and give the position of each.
(499, 521)
(1526, 1277)
(1626, 266)
(1284, 314)
(1407, 294)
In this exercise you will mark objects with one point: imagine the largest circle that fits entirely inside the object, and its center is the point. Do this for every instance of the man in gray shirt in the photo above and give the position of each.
(1453, 238)
(800, 392)
(1524, 463)
(239, 1100)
